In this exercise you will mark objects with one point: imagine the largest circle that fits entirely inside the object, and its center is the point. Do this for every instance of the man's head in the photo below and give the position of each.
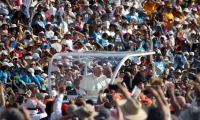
(135, 69)
(97, 71)
(107, 71)
(77, 83)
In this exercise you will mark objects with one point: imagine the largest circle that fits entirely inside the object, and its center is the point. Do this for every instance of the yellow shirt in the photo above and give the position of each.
(149, 8)
(169, 17)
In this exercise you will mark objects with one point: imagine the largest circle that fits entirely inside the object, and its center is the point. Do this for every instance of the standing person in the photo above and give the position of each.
(76, 89)
(135, 75)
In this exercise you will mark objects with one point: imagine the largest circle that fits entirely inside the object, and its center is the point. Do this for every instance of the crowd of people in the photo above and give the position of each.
(32, 31)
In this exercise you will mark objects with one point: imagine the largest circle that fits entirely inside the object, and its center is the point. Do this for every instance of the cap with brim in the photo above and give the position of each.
(177, 19)
(126, 4)
(5, 64)
(185, 23)
(155, 11)
(132, 109)
(86, 112)
(194, 9)
(38, 68)
(169, 6)
(186, 10)
(13, 26)
(2, 44)
(68, 33)
(178, 71)
(14, 8)
(20, 46)
(86, 4)
(41, 32)
(48, 23)
(178, 26)
(55, 38)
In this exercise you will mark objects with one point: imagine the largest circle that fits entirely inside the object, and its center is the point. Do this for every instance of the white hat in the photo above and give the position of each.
(11, 64)
(38, 68)
(53, 93)
(86, 3)
(66, 42)
(14, 8)
(178, 26)
(5, 64)
(15, 57)
(194, 9)
(186, 10)
(44, 75)
(193, 32)
(48, 23)
(170, 32)
(69, 48)
(31, 5)
(185, 23)
(185, 53)
(68, 33)
(7, 17)
(41, 32)
(4, 53)
(13, 25)
(172, 68)
(28, 58)
(31, 70)
(88, 44)
(176, 19)
(192, 53)
(52, 77)
(31, 103)
(4, 23)
(59, 63)
(35, 55)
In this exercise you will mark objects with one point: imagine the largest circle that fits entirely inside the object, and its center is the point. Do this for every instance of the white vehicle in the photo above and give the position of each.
(90, 58)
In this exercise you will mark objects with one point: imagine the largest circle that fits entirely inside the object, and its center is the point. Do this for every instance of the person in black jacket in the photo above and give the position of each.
(138, 76)
(76, 90)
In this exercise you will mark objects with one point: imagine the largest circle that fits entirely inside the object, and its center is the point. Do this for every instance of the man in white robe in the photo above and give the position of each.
(95, 82)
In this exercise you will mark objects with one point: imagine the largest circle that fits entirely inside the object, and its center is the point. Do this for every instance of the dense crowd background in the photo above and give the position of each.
(32, 31)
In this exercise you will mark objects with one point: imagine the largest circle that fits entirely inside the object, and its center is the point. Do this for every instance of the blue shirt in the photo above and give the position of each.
(102, 42)
(16, 70)
(41, 81)
(4, 77)
(25, 78)
(35, 80)
(131, 16)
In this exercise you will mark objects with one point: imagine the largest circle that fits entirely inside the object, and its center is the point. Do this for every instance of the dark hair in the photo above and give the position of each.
(155, 114)
(104, 35)
(108, 105)
(91, 102)
(48, 107)
(76, 81)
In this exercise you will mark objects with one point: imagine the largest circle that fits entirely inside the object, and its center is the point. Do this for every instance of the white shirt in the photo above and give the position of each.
(57, 113)
(35, 116)
(49, 34)
(93, 84)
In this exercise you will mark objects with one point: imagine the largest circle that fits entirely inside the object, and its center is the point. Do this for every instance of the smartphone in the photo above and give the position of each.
(113, 87)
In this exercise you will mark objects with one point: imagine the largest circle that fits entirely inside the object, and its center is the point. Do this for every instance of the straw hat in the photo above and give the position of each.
(20, 46)
(132, 109)
(55, 38)
(87, 4)
(86, 112)
(156, 81)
